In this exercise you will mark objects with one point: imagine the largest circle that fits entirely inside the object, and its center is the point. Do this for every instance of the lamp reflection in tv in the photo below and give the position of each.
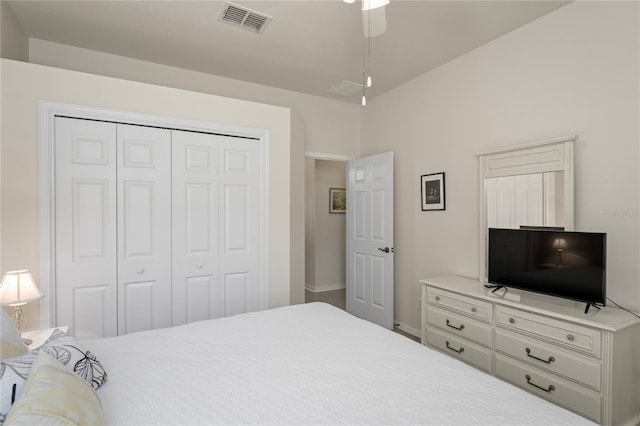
(559, 245)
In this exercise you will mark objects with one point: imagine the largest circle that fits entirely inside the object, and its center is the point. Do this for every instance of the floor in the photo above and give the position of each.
(337, 298)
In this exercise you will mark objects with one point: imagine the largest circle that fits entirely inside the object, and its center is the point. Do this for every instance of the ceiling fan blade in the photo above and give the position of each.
(374, 22)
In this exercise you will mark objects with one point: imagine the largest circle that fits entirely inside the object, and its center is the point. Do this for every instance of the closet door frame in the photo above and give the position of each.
(47, 111)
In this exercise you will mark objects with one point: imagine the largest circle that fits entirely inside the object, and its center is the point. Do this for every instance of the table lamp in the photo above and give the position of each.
(559, 245)
(18, 288)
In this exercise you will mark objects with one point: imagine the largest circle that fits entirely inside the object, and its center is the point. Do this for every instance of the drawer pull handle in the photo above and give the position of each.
(474, 309)
(547, 361)
(570, 337)
(453, 326)
(550, 389)
(437, 298)
(454, 349)
(512, 321)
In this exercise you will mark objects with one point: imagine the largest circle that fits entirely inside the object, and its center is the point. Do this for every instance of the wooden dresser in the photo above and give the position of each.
(587, 363)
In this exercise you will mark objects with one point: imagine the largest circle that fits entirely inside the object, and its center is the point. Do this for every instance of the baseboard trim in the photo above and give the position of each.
(409, 330)
(323, 288)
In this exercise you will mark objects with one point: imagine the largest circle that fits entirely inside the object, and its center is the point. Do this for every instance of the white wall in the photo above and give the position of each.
(296, 210)
(330, 228)
(574, 71)
(14, 44)
(331, 126)
(24, 84)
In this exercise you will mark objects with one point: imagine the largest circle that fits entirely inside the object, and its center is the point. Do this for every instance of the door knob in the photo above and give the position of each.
(385, 250)
(140, 271)
(199, 265)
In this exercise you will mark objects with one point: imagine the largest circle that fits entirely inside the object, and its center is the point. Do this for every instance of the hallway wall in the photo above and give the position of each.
(325, 232)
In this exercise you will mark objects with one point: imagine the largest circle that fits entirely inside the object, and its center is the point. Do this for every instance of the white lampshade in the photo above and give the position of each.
(18, 288)
(559, 244)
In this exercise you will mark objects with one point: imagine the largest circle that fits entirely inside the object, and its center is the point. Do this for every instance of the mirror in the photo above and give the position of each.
(526, 185)
(535, 199)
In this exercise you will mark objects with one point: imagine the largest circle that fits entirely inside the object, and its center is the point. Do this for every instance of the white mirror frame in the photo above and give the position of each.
(551, 155)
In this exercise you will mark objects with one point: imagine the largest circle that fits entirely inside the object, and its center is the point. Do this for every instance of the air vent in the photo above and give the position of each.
(345, 88)
(243, 17)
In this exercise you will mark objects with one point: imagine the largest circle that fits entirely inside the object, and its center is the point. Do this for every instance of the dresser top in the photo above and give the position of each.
(607, 318)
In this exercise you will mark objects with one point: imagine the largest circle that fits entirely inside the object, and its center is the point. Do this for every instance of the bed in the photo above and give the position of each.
(302, 364)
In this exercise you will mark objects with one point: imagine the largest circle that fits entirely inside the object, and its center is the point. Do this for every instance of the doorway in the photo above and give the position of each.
(325, 233)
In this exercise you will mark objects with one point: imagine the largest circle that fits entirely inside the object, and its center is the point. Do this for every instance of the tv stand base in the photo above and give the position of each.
(586, 308)
(495, 287)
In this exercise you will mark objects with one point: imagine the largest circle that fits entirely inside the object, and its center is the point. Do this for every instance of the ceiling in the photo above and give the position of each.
(307, 47)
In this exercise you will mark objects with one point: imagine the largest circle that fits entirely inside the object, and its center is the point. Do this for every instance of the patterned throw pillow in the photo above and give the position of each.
(55, 396)
(64, 348)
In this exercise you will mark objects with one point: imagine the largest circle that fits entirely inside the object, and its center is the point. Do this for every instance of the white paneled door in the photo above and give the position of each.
(195, 227)
(370, 238)
(154, 227)
(239, 226)
(85, 211)
(216, 238)
(144, 223)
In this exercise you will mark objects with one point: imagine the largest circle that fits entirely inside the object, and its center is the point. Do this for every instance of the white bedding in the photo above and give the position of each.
(303, 364)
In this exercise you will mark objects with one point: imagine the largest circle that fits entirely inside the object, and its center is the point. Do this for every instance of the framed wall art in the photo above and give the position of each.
(337, 200)
(432, 190)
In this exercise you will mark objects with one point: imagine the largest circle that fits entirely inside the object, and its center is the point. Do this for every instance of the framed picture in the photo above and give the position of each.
(432, 190)
(337, 200)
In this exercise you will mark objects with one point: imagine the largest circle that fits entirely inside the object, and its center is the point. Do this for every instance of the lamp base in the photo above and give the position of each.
(17, 318)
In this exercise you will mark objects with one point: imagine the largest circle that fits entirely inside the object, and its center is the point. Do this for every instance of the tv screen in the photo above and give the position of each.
(558, 263)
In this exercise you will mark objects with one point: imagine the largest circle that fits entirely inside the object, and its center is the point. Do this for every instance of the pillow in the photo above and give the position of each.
(53, 395)
(69, 352)
(11, 344)
(64, 348)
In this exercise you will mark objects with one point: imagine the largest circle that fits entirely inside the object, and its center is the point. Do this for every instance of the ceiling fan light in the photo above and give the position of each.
(373, 4)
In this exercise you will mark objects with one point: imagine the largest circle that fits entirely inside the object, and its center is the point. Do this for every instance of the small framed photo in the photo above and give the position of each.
(337, 200)
(432, 190)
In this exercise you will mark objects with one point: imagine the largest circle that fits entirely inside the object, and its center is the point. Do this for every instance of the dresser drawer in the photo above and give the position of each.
(460, 325)
(458, 303)
(550, 387)
(463, 349)
(547, 357)
(570, 335)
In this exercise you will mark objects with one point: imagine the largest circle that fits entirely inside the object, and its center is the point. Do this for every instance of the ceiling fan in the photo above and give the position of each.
(374, 18)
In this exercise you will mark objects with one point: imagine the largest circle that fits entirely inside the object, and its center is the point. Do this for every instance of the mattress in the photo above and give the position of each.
(301, 364)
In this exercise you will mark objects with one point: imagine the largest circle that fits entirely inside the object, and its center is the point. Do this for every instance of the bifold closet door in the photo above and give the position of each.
(195, 227)
(144, 228)
(216, 228)
(239, 225)
(85, 224)
(113, 221)
(154, 227)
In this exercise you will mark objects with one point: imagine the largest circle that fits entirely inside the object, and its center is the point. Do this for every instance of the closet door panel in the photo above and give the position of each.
(195, 227)
(239, 225)
(144, 223)
(85, 223)
(198, 297)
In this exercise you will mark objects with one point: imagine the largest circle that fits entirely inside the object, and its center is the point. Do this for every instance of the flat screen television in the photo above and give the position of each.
(566, 264)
